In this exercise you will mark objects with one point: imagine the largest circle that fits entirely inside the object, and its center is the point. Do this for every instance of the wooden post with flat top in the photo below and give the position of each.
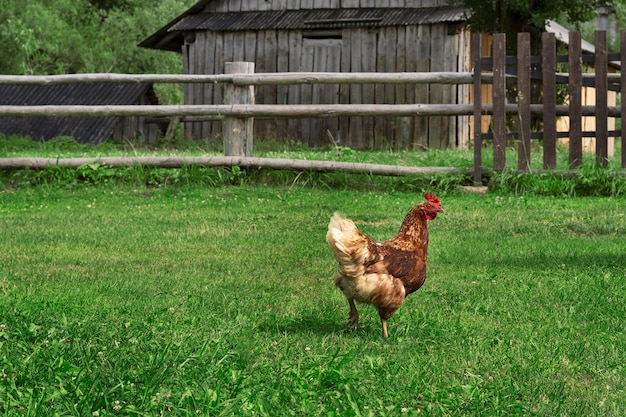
(238, 131)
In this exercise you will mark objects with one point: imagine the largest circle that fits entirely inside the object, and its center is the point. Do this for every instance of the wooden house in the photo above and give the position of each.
(93, 130)
(333, 36)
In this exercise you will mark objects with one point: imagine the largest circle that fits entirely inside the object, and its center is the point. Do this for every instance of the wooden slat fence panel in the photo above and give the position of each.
(548, 71)
(523, 99)
(575, 98)
(499, 101)
(601, 70)
(623, 94)
(477, 85)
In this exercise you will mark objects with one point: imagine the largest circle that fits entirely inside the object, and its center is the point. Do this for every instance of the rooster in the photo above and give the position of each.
(382, 273)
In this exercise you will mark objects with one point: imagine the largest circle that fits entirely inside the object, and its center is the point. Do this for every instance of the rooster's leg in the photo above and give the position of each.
(353, 321)
(384, 323)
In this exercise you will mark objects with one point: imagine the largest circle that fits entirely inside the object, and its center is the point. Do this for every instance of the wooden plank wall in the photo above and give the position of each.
(385, 49)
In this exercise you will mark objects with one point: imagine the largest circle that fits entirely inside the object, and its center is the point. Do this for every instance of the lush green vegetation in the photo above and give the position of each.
(191, 299)
(587, 181)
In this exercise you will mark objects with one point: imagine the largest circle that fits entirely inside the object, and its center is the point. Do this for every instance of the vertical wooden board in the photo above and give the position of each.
(249, 46)
(410, 66)
(239, 5)
(437, 133)
(422, 91)
(219, 6)
(601, 69)
(306, 4)
(294, 125)
(348, 4)
(403, 138)
(209, 62)
(450, 56)
(260, 65)
(317, 93)
(187, 90)
(306, 90)
(279, 4)
(575, 97)
(356, 123)
(344, 89)
(218, 68)
(463, 91)
(293, 5)
(523, 102)
(368, 3)
(333, 64)
(262, 5)
(499, 99)
(270, 57)
(368, 64)
(622, 36)
(267, 93)
(391, 38)
(380, 123)
(194, 128)
(321, 4)
(477, 96)
(239, 42)
(548, 70)
(282, 91)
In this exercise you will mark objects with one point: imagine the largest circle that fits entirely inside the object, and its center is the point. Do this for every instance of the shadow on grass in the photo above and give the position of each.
(316, 325)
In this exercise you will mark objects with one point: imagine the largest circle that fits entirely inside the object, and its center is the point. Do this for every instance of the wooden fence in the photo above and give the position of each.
(240, 109)
(523, 69)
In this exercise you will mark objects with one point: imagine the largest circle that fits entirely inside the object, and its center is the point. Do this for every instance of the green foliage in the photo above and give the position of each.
(196, 300)
(69, 36)
(588, 180)
(504, 15)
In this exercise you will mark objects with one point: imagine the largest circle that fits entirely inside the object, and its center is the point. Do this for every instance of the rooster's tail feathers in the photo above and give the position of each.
(347, 242)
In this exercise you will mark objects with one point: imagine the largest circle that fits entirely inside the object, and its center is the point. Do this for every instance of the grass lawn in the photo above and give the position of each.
(198, 300)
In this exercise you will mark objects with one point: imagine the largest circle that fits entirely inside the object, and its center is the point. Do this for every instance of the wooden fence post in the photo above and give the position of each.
(575, 98)
(238, 131)
(478, 140)
(499, 101)
(548, 70)
(623, 93)
(601, 70)
(523, 101)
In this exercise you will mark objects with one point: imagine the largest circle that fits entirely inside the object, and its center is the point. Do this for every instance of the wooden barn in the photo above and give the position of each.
(333, 36)
(93, 130)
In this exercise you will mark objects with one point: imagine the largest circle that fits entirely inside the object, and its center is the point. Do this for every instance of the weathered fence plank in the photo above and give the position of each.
(478, 143)
(601, 69)
(523, 100)
(227, 161)
(575, 100)
(623, 94)
(499, 101)
(548, 71)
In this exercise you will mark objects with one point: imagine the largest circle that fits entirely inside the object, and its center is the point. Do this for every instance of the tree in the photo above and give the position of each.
(514, 16)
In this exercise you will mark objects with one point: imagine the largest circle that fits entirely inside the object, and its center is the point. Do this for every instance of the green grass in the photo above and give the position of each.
(193, 299)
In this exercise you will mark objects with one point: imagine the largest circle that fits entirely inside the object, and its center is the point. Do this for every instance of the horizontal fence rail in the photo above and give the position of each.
(499, 71)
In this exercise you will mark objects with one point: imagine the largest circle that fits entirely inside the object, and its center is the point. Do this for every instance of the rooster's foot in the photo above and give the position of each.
(353, 320)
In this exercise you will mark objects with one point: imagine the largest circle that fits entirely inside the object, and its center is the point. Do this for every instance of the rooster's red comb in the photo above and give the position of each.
(432, 199)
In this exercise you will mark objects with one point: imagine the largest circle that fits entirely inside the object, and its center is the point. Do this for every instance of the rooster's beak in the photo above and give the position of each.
(440, 210)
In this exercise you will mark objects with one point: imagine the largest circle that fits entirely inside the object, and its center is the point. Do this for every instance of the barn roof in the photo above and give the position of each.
(171, 37)
(84, 129)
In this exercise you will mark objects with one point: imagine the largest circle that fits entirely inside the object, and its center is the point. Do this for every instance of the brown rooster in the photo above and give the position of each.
(382, 273)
